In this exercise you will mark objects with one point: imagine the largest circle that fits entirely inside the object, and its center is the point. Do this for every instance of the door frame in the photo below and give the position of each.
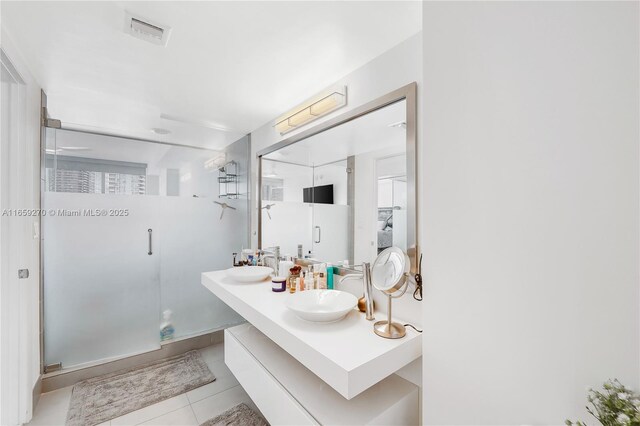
(19, 186)
(10, 247)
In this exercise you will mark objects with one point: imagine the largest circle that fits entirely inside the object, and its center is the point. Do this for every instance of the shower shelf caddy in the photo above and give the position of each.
(228, 181)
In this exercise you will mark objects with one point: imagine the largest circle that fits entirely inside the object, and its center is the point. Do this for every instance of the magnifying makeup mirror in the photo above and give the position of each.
(389, 274)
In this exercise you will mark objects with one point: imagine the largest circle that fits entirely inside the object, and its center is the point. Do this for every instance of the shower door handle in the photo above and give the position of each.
(150, 231)
(319, 234)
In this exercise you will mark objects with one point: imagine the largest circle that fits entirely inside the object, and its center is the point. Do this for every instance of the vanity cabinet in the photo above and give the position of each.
(288, 393)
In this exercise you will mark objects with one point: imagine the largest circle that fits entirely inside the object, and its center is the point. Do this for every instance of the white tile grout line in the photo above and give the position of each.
(194, 414)
(148, 420)
(194, 411)
(208, 396)
(190, 406)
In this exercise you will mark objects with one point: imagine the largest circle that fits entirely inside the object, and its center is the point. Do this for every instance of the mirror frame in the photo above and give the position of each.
(407, 93)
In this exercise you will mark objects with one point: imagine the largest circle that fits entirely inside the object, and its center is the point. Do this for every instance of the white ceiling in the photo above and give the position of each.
(234, 65)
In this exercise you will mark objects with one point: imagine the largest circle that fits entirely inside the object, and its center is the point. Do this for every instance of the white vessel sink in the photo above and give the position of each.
(322, 305)
(249, 274)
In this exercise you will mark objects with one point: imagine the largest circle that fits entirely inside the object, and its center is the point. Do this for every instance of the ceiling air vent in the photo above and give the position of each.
(145, 29)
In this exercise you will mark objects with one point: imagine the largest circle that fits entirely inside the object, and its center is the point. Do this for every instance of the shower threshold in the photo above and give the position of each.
(72, 375)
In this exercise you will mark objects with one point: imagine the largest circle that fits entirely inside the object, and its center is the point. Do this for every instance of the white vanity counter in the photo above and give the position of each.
(347, 355)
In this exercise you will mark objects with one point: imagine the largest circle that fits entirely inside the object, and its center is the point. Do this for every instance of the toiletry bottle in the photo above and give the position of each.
(302, 284)
(294, 274)
(293, 284)
(284, 267)
(246, 255)
(330, 272)
(299, 251)
(315, 274)
(322, 276)
(278, 284)
(166, 327)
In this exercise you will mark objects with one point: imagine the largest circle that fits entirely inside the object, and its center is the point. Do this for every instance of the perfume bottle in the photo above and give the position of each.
(293, 278)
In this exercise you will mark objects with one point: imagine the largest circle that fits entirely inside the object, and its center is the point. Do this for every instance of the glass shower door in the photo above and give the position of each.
(101, 262)
(102, 279)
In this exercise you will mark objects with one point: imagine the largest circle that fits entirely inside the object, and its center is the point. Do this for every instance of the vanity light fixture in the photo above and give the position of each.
(327, 103)
(399, 124)
(215, 162)
(75, 148)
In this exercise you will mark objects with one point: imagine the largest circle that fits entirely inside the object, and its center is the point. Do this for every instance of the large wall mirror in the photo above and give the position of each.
(346, 189)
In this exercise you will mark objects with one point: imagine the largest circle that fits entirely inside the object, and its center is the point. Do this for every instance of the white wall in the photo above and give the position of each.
(336, 175)
(530, 199)
(392, 166)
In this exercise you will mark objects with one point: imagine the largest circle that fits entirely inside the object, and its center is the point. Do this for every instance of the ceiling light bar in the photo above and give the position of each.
(160, 131)
(328, 103)
(215, 162)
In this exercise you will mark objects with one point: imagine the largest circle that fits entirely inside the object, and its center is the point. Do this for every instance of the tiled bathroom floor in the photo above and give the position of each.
(189, 409)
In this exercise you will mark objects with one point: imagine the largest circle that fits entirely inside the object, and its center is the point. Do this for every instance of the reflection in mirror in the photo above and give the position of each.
(392, 202)
(88, 163)
(286, 219)
(340, 195)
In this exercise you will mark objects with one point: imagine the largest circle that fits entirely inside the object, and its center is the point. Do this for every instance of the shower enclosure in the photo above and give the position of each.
(129, 226)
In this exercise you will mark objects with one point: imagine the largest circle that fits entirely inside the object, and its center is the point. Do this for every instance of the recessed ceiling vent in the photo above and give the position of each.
(146, 30)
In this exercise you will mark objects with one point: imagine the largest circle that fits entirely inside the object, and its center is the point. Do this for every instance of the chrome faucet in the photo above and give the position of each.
(272, 254)
(365, 276)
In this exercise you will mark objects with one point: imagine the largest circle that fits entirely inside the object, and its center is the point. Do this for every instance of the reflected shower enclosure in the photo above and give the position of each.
(132, 225)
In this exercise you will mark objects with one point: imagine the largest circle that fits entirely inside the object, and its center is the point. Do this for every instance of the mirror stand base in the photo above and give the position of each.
(388, 330)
